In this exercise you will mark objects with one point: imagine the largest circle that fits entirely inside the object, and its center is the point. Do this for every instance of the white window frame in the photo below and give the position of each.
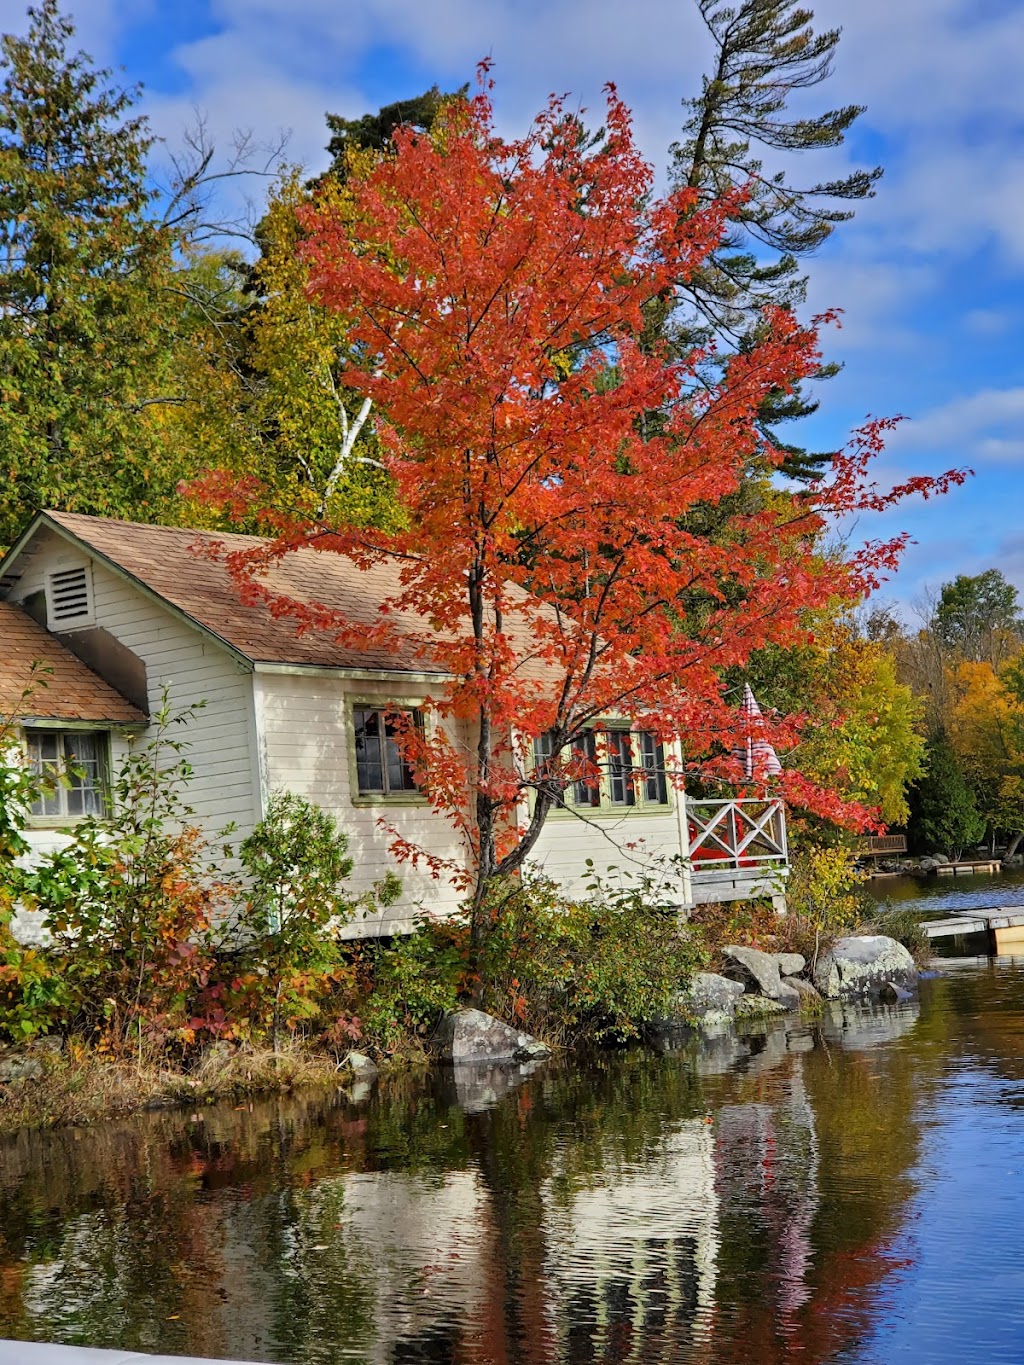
(62, 766)
(612, 793)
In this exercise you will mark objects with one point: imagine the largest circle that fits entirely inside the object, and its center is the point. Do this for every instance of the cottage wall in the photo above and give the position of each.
(306, 747)
(221, 735)
(623, 846)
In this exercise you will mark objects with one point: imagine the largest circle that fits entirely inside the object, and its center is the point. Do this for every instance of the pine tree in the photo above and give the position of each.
(765, 52)
(86, 314)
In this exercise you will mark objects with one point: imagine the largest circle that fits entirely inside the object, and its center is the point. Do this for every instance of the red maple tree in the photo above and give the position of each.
(557, 473)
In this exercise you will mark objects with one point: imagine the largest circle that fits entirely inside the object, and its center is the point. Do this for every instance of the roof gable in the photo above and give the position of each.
(163, 561)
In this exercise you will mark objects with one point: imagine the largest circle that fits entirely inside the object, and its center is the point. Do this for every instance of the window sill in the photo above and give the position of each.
(386, 799)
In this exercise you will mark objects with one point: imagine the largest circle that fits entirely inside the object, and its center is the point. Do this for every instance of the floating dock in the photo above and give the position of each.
(1004, 926)
(965, 869)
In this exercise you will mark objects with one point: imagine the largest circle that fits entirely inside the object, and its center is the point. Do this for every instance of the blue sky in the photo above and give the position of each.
(930, 275)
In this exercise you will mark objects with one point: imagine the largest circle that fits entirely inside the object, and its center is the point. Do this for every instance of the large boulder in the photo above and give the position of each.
(710, 993)
(790, 964)
(859, 965)
(475, 1038)
(755, 969)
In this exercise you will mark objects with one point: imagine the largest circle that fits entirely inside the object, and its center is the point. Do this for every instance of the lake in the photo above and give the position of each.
(847, 1190)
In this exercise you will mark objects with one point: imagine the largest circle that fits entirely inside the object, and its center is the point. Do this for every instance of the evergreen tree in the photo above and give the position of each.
(765, 52)
(373, 132)
(85, 312)
(944, 814)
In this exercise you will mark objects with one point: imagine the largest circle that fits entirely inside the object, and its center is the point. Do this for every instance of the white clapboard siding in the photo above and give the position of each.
(623, 847)
(305, 737)
(221, 735)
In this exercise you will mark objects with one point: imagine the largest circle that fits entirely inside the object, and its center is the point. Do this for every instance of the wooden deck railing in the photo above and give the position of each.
(741, 835)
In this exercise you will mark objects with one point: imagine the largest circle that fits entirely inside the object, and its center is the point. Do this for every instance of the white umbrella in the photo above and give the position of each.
(756, 755)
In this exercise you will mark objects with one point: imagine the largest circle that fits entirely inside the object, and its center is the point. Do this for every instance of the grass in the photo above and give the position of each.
(78, 1085)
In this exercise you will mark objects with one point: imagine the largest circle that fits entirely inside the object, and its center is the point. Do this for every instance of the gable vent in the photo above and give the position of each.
(69, 598)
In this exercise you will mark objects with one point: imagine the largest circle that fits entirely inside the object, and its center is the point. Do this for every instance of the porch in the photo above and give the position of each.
(737, 850)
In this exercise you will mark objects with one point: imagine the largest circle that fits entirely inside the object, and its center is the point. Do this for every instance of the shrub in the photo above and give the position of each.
(408, 983)
(128, 905)
(603, 967)
(289, 957)
(906, 926)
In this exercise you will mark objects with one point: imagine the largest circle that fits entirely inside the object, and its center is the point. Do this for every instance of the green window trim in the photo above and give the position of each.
(632, 776)
(77, 763)
(378, 775)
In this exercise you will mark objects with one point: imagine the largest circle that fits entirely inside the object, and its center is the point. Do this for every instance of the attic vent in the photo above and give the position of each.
(69, 598)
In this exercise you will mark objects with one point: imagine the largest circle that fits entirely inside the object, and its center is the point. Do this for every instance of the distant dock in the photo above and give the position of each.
(1004, 926)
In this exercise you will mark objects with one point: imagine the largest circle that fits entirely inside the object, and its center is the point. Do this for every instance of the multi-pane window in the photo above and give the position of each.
(380, 768)
(74, 765)
(617, 768)
(652, 759)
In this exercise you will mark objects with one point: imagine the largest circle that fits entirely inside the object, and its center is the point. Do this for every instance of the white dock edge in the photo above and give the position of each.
(36, 1353)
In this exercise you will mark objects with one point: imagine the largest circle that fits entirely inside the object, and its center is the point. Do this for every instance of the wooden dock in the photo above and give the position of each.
(965, 869)
(1004, 926)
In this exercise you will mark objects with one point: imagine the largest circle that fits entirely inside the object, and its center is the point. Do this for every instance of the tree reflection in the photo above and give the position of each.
(632, 1208)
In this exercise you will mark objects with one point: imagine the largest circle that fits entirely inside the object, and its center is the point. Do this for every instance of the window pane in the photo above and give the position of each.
(84, 756)
(400, 778)
(44, 759)
(586, 791)
(655, 783)
(620, 768)
(369, 767)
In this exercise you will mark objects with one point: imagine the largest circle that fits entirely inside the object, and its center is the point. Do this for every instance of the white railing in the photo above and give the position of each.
(736, 836)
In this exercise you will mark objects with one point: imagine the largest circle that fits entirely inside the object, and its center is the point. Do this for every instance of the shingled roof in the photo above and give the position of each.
(62, 688)
(164, 559)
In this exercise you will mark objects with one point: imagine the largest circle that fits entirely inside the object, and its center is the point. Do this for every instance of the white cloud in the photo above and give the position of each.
(987, 426)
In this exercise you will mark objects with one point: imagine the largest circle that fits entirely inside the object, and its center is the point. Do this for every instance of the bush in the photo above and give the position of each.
(601, 968)
(407, 984)
(127, 905)
(906, 926)
(289, 957)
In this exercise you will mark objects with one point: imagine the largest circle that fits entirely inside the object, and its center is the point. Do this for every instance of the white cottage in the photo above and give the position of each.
(120, 611)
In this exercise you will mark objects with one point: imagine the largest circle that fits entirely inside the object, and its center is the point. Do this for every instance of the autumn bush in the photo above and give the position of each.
(600, 968)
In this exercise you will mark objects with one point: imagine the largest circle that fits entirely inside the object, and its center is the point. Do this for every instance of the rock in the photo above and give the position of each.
(790, 964)
(756, 968)
(940, 860)
(710, 992)
(362, 1066)
(219, 1053)
(802, 986)
(893, 994)
(789, 996)
(49, 1044)
(759, 1007)
(20, 1069)
(926, 864)
(857, 966)
(473, 1036)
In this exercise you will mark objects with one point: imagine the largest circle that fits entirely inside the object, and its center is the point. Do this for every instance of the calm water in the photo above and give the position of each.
(851, 1191)
(974, 891)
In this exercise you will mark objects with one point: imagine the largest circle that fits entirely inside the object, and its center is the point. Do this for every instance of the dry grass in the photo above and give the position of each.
(79, 1086)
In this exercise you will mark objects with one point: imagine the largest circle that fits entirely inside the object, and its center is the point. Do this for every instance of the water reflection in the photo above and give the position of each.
(748, 1201)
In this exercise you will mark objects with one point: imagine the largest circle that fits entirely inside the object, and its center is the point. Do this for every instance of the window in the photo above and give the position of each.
(75, 760)
(380, 767)
(622, 768)
(69, 599)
